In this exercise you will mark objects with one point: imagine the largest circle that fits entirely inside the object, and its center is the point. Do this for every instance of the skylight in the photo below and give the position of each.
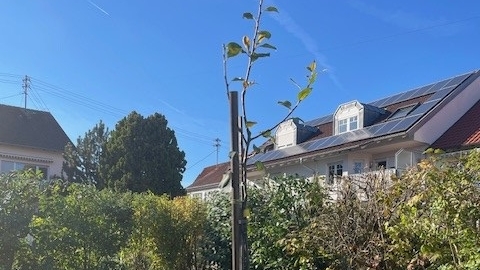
(402, 112)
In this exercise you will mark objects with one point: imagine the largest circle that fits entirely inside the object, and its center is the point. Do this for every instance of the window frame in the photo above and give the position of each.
(335, 170)
(403, 112)
(348, 124)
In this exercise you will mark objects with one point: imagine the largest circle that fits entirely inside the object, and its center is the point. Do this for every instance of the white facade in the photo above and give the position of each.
(17, 158)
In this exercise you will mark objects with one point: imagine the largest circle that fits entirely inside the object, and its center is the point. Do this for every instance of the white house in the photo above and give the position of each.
(390, 133)
(30, 139)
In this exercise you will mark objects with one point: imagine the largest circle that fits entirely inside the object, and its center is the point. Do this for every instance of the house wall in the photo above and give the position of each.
(49, 159)
(354, 162)
(203, 194)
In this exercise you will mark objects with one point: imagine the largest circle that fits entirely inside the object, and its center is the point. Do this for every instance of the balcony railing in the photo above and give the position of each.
(363, 183)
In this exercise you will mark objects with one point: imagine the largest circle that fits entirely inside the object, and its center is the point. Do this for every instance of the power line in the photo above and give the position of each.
(16, 95)
(36, 86)
(196, 163)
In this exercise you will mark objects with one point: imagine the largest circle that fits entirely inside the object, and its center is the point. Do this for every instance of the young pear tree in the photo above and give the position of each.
(254, 47)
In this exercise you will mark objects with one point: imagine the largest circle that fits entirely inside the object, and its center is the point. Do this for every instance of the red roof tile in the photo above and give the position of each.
(210, 175)
(465, 133)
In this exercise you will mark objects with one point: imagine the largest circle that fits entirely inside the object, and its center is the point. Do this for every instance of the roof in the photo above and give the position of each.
(425, 98)
(420, 103)
(31, 128)
(209, 177)
(465, 133)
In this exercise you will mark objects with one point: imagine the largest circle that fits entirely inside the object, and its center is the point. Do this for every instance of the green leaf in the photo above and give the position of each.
(271, 9)
(251, 124)
(312, 78)
(233, 49)
(256, 149)
(286, 103)
(268, 46)
(246, 42)
(266, 133)
(428, 151)
(238, 79)
(255, 56)
(264, 34)
(312, 66)
(304, 93)
(259, 165)
(248, 15)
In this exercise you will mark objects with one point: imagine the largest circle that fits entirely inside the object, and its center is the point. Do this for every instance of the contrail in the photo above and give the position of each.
(99, 8)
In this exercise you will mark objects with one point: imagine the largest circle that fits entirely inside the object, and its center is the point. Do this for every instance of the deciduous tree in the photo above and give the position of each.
(437, 225)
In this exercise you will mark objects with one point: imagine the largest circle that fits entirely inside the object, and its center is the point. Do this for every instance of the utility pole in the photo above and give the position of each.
(217, 146)
(237, 204)
(26, 86)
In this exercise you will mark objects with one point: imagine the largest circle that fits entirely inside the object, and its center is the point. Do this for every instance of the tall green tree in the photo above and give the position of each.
(142, 154)
(83, 160)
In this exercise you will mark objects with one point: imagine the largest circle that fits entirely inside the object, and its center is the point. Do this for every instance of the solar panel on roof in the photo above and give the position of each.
(319, 121)
(266, 156)
(440, 90)
(306, 145)
(388, 101)
(405, 123)
(457, 80)
(328, 141)
(319, 144)
(421, 91)
(314, 144)
(354, 135)
(341, 138)
(404, 96)
(440, 94)
(378, 102)
(423, 108)
(436, 87)
(386, 127)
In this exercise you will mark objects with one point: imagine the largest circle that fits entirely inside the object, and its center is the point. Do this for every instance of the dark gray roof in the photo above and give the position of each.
(434, 94)
(31, 128)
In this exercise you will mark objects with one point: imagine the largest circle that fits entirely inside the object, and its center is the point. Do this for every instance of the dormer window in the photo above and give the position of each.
(347, 124)
(292, 132)
(354, 115)
(347, 117)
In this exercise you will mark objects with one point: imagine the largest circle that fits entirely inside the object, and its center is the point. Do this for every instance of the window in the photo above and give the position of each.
(197, 195)
(347, 124)
(358, 167)
(334, 170)
(382, 165)
(342, 126)
(402, 112)
(7, 166)
(10, 166)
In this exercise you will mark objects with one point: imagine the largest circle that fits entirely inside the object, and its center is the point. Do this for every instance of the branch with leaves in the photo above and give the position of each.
(255, 48)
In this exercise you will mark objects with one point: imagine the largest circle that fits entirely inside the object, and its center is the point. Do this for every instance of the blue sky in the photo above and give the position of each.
(93, 60)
